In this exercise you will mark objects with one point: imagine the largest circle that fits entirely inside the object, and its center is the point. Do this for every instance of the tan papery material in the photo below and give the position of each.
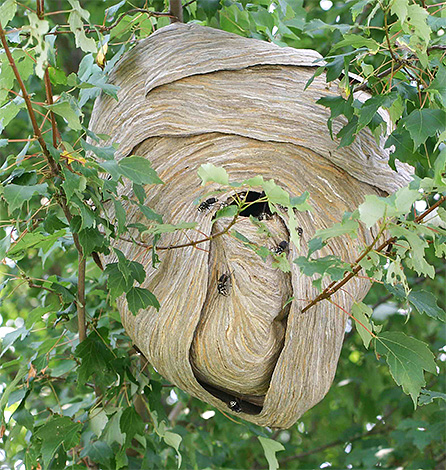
(191, 95)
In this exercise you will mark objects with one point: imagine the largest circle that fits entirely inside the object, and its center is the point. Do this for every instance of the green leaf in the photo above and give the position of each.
(112, 431)
(338, 107)
(399, 8)
(416, 25)
(7, 11)
(11, 337)
(137, 270)
(150, 214)
(131, 424)
(404, 146)
(275, 193)
(98, 451)
(11, 387)
(173, 440)
(140, 193)
(16, 195)
(418, 244)
(325, 265)
(349, 227)
(57, 76)
(407, 358)
(73, 184)
(369, 108)
(362, 313)
(404, 199)
(300, 202)
(280, 262)
(210, 7)
(139, 170)
(358, 41)
(138, 298)
(315, 244)
(88, 217)
(5, 243)
(33, 240)
(68, 112)
(57, 431)
(120, 216)
(117, 284)
(23, 417)
(91, 240)
(170, 438)
(211, 173)
(53, 223)
(424, 123)
(228, 211)
(255, 181)
(107, 153)
(96, 358)
(438, 85)
(10, 110)
(428, 396)
(270, 448)
(75, 20)
(425, 302)
(348, 133)
(372, 209)
(112, 168)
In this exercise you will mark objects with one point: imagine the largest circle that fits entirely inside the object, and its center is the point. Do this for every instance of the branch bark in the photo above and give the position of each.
(54, 167)
(176, 10)
(37, 133)
(81, 320)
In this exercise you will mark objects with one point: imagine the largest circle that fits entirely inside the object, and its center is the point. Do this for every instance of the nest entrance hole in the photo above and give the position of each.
(255, 209)
(227, 397)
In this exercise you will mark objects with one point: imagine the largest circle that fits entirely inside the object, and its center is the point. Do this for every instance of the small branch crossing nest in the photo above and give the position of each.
(191, 95)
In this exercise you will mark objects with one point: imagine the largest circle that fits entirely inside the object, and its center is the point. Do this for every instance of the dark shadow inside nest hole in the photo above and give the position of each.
(254, 209)
(246, 405)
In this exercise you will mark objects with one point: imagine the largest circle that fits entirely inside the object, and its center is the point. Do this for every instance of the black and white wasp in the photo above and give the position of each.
(234, 405)
(206, 205)
(224, 284)
(281, 247)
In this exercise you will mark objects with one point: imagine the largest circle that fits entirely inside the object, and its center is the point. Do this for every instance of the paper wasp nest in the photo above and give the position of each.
(191, 95)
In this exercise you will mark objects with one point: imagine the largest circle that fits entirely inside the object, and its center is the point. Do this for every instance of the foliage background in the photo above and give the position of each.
(84, 406)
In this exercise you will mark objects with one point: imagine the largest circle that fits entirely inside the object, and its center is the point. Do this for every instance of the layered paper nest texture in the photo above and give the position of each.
(191, 95)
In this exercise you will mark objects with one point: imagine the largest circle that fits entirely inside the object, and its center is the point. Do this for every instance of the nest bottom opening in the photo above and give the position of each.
(242, 324)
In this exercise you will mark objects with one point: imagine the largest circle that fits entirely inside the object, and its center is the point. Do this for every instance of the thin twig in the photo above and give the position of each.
(335, 286)
(49, 98)
(375, 430)
(81, 298)
(37, 133)
(104, 29)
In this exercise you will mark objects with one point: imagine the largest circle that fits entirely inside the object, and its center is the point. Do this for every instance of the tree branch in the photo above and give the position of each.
(335, 286)
(81, 320)
(176, 10)
(37, 133)
(54, 167)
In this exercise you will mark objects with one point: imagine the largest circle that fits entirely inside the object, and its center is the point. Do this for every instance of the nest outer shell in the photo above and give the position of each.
(191, 95)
